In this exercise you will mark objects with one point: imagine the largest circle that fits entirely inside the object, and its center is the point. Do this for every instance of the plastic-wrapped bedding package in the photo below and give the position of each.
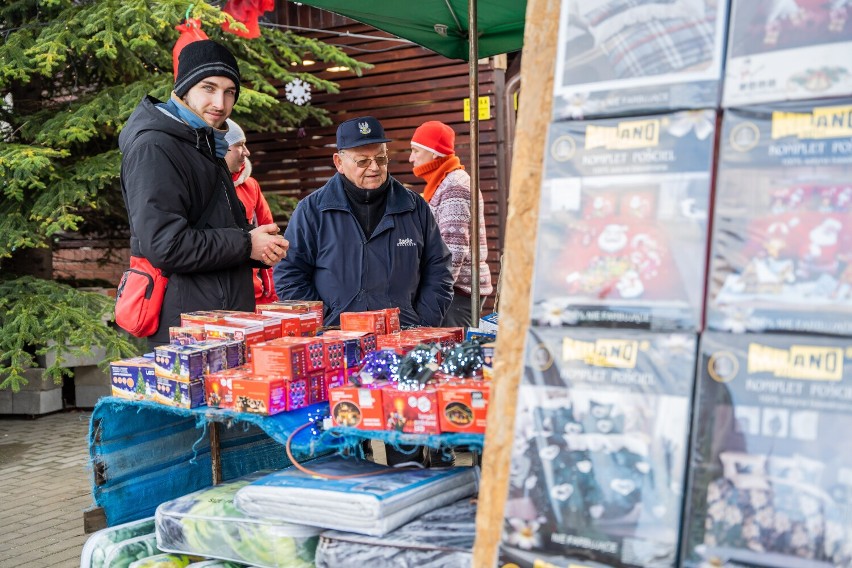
(618, 57)
(770, 476)
(368, 504)
(164, 561)
(600, 449)
(780, 50)
(623, 233)
(207, 523)
(782, 220)
(438, 539)
(120, 545)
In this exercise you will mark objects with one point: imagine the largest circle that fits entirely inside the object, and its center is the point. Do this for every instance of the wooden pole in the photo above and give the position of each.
(473, 77)
(536, 95)
(215, 453)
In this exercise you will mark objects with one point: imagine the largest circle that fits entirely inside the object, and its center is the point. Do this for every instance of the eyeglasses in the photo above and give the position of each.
(364, 163)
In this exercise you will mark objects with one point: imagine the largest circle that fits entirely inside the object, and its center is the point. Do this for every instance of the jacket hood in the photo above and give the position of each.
(148, 117)
(241, 176)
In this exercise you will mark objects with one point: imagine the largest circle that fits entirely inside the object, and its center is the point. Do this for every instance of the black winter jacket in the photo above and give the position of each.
(169, 173)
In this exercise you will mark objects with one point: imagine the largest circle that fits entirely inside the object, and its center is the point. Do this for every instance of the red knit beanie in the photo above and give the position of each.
(435, 137)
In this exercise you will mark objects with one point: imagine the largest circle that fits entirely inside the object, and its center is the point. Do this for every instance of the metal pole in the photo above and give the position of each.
(473, 60)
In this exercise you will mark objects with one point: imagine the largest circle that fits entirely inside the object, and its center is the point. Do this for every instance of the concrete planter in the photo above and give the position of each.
(97, 355)
(39, 396)
(90, 384)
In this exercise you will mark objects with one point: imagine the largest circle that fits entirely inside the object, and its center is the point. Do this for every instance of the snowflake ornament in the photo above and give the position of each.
(298, 92)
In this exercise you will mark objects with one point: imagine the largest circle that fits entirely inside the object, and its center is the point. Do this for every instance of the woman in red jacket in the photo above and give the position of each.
(257, 209)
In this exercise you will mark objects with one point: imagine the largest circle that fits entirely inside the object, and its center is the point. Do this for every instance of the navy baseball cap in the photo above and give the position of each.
(360, 132)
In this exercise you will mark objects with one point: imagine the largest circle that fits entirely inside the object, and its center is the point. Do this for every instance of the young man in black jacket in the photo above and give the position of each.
(172, 169)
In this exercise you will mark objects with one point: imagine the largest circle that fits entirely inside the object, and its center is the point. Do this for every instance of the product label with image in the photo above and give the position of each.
(782, 241)
(788, 50)
(638, 56)
(599, 454)
(769, 484)
(623, 226)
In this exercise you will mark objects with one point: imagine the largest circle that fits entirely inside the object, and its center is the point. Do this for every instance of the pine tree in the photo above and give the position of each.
(71, 73)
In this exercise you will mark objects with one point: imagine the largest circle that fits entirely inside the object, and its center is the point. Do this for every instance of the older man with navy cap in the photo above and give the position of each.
(363, 241)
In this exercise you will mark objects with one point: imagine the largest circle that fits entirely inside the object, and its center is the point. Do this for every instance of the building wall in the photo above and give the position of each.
(90, 263)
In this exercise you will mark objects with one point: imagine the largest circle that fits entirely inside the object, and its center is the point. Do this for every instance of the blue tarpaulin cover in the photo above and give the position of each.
(144, 453)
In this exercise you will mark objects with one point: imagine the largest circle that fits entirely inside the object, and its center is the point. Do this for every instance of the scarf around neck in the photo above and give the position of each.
(435, 171)
(179, 109)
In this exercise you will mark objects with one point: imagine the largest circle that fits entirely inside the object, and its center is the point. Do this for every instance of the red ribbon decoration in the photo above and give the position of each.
(247, 13)
(190, 31)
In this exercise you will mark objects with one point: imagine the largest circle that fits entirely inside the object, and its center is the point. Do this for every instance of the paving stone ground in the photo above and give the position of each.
(44, 488)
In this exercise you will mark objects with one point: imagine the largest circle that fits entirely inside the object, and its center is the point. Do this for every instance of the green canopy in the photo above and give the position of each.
(440, 25)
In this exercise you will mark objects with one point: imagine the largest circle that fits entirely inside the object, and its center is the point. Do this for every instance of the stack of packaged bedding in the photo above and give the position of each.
(362, 497)
(121, 545)
(441, 538)
(206, 523)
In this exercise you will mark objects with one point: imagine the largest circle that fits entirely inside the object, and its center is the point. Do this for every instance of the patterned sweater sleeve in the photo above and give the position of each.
(451, 208)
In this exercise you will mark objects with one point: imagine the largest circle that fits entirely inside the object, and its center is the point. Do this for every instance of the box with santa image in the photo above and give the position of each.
(622, 234)
(782, 228)
(600, 449)
(618, 57)
(782, 50)
(770, 474)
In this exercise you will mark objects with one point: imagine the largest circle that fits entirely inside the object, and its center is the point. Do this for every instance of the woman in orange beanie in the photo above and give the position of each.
(448, 194)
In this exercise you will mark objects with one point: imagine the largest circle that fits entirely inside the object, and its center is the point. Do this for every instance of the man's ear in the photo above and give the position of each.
(338, 162)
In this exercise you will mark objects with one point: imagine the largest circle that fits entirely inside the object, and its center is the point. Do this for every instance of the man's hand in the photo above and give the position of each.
(267, 245)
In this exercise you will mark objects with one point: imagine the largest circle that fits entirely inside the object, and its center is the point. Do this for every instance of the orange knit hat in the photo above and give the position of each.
(435, 137)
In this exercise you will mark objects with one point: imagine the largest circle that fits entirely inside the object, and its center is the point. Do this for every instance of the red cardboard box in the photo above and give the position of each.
(373, 321)
(291, 324)
(457, 333)
(333, 353)
(200, 318)
(463, 406)
(396, 342)
(314, 351)
(412, 412)
(187, 335)
(269, 395)
(333, 379)
(316, 387)
(271, 325)
(357, 407)
(366, 341)
(444, 336)
(249, 334)
(278, 359)
(304, 309)
(310, 324)
(218, 389)
(301, 306)
(391, 320)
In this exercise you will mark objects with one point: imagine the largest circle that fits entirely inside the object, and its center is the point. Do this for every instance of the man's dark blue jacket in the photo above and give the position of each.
(403, 264)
